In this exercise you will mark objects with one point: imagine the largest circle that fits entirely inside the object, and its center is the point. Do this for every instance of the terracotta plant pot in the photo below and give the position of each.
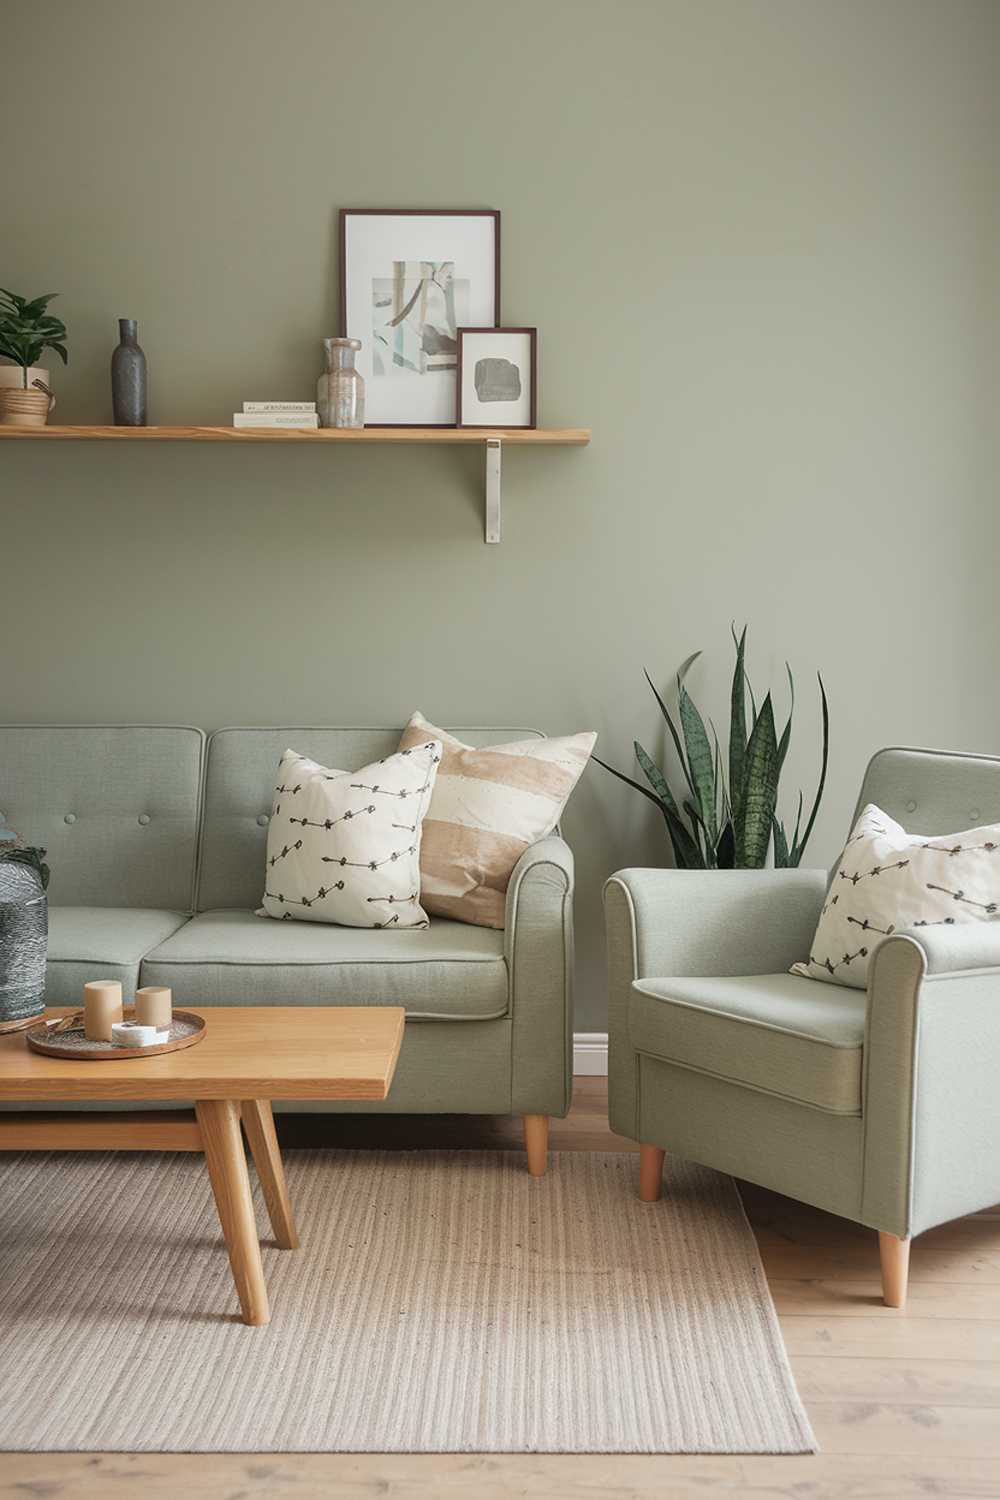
(20, 408)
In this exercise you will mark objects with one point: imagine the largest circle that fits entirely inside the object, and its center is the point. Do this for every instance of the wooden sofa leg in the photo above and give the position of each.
(650, 1173)
(894, 1254)
(536, 1143)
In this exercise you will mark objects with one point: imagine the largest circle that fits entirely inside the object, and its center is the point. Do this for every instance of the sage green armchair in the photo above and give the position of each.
(881, 1106)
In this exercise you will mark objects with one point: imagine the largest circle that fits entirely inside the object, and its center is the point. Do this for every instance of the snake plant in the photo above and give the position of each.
(725, 815)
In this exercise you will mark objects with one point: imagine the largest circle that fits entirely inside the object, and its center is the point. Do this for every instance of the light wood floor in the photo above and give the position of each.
(903, 1404)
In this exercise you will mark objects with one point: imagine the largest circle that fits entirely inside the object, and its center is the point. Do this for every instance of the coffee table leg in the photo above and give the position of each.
(222, 1141)
(258, 1122)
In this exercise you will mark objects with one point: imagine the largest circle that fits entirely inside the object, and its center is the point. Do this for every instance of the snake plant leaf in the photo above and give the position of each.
(673, 729)
(796, 852)
(760, 791)
(738, 725)
(637, 785)
(780, 845)
(688, 854)
(786, 736)
(699, 753)
(725, 849)
(656, 778)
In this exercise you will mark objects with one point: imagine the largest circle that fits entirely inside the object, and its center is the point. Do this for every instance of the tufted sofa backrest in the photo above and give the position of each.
(239, 789)
(116, 806)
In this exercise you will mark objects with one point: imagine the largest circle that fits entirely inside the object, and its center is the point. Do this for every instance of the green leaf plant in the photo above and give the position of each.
(27, 329)
(725, 819)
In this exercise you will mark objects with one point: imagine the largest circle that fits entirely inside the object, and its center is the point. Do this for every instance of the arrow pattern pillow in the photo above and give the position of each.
(889, 880)
(344, 846)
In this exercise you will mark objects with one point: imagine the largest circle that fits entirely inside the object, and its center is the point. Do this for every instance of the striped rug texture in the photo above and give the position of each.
(441, 1302)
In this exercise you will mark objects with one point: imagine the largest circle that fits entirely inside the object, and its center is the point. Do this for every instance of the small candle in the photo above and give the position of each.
(102, 1007)
(128, 1034)
(153, 1006)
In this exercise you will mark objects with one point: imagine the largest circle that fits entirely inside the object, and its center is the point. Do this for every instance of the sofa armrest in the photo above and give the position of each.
(691, 922)
(930, 1100)
(538, 946)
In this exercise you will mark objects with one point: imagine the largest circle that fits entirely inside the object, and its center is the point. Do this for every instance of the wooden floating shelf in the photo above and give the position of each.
(492, 440)
(528, 436)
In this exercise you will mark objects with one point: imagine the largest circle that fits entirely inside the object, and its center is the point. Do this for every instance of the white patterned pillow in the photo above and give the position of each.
(344, 846)
(888, 880)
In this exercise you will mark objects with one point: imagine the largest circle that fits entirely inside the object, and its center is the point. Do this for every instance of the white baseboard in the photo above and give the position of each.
(590, 1054)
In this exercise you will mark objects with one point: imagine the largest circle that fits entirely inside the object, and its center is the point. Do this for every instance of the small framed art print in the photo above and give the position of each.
(408, 279)
(497, 377)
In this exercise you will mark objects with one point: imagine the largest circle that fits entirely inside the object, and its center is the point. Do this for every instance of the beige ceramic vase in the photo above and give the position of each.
(21, 408)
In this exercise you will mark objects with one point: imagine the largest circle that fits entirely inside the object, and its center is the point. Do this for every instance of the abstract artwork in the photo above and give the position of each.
(409, 279)
(497, 377)
(415, 318)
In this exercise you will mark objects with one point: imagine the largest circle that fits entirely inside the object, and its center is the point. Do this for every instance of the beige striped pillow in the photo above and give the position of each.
(486, 808)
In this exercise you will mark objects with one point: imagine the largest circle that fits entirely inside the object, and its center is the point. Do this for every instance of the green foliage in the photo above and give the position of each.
(728, 823)
(26, 329)
(35, 858)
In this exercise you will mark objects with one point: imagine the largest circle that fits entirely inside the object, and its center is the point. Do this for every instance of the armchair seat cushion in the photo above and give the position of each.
(448, 971)
(772, 1032)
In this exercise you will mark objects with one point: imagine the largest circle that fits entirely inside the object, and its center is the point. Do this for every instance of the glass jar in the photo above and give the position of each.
(340, 390)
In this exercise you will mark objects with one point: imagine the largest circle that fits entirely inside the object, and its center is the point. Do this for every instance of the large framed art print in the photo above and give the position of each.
(409, 279)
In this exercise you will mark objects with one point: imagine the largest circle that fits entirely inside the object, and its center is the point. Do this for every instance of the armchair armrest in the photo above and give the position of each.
(930, 1101)
(697, 922)
(953, 950)
(538, 946)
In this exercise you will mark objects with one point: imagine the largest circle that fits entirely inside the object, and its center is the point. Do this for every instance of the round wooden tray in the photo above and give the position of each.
(21, 1025)
(185, 1030)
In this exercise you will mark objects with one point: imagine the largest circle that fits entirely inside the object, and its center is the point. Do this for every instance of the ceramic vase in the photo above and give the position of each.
(128, 377)
(340, 390)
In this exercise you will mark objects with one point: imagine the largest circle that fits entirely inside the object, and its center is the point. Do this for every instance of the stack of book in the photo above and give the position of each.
(276, 414)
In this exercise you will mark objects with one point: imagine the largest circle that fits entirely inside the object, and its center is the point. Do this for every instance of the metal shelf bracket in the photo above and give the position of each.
(492, 489)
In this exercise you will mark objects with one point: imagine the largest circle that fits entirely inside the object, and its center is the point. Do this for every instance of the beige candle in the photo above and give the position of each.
(154, 1006)
(102, 1007)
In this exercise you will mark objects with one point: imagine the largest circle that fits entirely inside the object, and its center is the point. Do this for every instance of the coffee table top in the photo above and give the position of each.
(248, 1052)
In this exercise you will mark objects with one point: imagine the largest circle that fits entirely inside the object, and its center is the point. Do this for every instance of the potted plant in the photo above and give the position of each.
(726, 819)
(26, 329)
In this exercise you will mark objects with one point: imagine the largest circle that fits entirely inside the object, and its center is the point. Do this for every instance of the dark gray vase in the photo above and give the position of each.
(24, 930)
(128, 377)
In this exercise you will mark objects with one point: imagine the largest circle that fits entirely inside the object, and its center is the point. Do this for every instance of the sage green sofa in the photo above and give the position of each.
(884, 1106)
(156, 839)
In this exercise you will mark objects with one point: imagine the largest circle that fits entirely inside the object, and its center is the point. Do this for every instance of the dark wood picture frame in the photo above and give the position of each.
(532, 422)
(426, 213)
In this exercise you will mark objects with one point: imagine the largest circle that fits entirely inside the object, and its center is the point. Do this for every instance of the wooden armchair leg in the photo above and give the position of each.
(650, 1172)
(536, 1143)
(894, 1254)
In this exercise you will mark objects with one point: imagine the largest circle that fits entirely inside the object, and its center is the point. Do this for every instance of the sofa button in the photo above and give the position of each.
(143, 819)
(911, 807)
(70, 818)
(974, 813)
(263, 820)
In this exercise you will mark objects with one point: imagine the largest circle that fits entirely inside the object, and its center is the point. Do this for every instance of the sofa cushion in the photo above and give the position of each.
(446, 971)
(775, 1032)
(101, 942)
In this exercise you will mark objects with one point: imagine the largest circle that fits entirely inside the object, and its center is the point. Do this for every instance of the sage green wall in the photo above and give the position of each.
(758, 239)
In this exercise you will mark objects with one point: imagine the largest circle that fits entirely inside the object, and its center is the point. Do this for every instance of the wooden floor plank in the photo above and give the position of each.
(904, 1404)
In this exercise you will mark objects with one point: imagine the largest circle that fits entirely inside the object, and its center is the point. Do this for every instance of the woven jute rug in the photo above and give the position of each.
(441, 1302)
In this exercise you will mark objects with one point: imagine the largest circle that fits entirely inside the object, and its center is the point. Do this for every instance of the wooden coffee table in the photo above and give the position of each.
(250, 1056)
